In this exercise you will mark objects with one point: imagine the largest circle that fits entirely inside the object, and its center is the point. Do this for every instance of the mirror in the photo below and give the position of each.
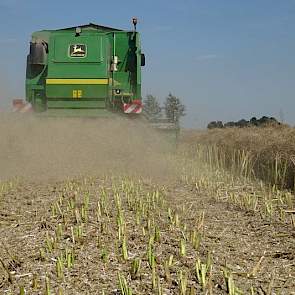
(142, 60)
(37, 53)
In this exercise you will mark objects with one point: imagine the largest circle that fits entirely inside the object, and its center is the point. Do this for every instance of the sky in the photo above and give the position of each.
(225, 59)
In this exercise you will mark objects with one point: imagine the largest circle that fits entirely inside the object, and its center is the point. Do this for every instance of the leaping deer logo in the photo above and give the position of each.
(77, 50)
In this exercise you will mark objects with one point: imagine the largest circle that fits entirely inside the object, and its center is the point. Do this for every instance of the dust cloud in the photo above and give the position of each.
(58, 148)
(4, 94)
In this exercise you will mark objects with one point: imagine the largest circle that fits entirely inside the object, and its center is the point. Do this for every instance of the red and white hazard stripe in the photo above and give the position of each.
(20, 106)
(135, 107)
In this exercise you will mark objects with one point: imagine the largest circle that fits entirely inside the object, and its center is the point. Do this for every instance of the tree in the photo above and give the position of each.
(151, 106)
(174, 109)
(212, 125)
(215, 124)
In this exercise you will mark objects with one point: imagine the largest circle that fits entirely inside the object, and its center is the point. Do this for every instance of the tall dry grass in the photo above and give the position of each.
(266, 153)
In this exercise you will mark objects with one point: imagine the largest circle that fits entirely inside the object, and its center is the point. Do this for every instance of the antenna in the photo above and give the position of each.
(134, 21)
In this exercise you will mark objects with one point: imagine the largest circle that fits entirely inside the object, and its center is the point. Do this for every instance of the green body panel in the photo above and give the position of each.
(62, 75)
(127, 68)
(66, 91)
(93, 65)
(77, 104)
(80, 112)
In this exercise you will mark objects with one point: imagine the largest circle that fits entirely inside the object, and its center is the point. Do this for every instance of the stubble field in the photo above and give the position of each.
(92, 208)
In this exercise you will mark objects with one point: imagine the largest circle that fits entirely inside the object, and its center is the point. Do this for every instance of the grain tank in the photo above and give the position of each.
(87, 70)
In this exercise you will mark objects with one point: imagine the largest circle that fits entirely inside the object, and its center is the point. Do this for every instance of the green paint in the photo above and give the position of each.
(93, 58)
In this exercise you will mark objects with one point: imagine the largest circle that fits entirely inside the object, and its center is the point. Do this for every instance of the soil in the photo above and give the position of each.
(260, 254)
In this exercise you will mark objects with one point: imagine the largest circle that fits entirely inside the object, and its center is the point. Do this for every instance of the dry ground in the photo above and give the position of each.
(260, 254)
(62, 236)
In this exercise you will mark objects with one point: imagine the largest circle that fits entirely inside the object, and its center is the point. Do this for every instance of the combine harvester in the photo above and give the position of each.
(86, 71)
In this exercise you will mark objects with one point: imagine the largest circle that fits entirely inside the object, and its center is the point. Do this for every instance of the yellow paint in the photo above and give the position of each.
(77, 81)
(115, 82)
(77, 93)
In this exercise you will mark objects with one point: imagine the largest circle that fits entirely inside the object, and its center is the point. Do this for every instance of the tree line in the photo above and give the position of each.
(173, 109)
(263, 121)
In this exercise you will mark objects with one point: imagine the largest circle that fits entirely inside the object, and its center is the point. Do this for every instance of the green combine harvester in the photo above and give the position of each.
(86, 71)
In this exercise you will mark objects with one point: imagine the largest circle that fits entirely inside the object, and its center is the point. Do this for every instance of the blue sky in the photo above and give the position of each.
(226, 59)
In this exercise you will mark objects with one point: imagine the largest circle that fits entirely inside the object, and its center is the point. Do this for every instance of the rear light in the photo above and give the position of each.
(17, 102)
(134, 107)
(137, 101)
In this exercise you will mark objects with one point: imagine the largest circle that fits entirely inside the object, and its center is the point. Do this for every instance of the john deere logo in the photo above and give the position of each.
(78, 50)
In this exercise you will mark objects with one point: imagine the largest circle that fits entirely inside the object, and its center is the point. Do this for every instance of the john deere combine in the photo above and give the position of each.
(88, 70)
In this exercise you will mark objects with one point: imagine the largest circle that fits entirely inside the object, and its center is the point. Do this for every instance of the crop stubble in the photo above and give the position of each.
(161, 212)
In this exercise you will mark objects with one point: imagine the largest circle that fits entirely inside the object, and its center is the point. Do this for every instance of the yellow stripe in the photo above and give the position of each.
(78, 81)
